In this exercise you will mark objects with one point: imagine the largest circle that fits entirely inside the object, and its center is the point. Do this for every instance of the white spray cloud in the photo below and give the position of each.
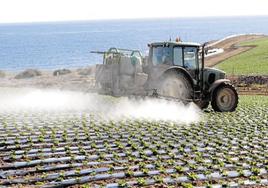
(157, 109)
(57, 100)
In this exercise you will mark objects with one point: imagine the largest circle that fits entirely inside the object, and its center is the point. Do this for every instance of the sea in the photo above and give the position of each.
(58, 45)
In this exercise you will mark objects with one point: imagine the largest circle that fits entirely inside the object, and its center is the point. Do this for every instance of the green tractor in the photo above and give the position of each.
(172, 70)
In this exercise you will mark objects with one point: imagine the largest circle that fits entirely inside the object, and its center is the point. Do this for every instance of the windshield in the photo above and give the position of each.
(162, 55)
(178, 55)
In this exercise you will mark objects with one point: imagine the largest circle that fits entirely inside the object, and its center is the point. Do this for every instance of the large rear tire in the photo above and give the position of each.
(175, 85)
(224, 98)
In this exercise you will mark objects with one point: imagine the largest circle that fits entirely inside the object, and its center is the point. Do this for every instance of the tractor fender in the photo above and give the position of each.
(179, 70)
(216, 84)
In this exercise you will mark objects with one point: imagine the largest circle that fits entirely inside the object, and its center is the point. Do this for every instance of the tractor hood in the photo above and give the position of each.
(215, 71)
(212, 74)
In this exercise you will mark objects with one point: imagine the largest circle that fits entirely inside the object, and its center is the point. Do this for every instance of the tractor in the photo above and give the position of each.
(173, 70)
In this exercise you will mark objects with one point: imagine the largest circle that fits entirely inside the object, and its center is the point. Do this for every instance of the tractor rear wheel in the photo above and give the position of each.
(175, 85)
(224, 98)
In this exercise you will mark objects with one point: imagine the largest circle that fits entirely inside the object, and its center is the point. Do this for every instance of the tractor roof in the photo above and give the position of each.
(172, 43)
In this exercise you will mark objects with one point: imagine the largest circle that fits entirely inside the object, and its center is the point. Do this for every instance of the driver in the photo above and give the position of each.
(166, 60)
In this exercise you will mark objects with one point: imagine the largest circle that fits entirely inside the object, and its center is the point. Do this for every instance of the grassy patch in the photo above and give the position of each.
(253, 100)
(252, 62)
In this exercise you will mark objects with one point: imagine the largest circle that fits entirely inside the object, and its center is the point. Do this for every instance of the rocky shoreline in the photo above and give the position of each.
(81, 79)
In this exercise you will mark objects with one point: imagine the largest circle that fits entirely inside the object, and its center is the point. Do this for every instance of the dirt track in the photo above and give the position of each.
(231, 47)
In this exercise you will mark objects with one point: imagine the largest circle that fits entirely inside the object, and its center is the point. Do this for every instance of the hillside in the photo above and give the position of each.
(230, 46)
(253, 61)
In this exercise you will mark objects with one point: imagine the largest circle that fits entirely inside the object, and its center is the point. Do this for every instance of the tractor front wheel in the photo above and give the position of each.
(224, 98)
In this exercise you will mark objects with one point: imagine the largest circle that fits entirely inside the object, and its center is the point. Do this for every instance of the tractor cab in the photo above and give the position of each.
(188, 58)
(179, 54)
(175, 53)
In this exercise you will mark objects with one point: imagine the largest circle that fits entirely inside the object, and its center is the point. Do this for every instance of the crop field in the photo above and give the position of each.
(56, 149)
(252, 62)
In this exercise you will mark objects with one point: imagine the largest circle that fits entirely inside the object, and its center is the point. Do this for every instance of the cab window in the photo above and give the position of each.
(177, 56)
(190, 58)
(162, 55)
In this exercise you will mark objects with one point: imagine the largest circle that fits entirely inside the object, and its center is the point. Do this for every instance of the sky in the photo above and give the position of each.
(17, 11)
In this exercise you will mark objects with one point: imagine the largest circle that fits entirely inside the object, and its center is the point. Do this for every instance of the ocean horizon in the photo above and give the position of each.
(53, 45)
